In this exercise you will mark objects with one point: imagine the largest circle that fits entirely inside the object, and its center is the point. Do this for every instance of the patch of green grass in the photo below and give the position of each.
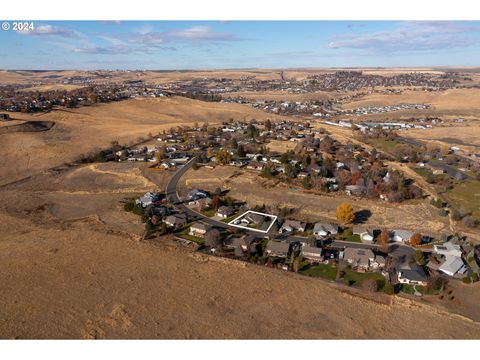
(382, 144)
(409, 289)
(352, 238)
(465, 194)
(209, 212)
(353, 278)
(230, 218)
(325, 271)
(423, 172)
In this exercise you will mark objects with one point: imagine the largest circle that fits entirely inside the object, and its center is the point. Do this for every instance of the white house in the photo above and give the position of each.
(448, 249)
(401, 235)
(453, 265)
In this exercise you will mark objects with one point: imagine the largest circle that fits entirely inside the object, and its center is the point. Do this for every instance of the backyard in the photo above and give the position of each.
(353, 278)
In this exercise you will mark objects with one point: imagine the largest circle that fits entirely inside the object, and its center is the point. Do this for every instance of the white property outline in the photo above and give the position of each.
(253, 229)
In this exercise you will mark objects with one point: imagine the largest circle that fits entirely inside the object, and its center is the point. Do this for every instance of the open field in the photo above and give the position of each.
(467, 138)
(71, 271)
(88, 129)
(50, 87)
(281, 146)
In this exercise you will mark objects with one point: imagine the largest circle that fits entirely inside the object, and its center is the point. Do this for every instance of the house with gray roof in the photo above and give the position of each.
(277, 248)
(311, 253)
(415, 276)
(401, 235)
(176, 220)
(324, 229)
(453, 266)
(225, 211)
(359, 258)
(292, 225)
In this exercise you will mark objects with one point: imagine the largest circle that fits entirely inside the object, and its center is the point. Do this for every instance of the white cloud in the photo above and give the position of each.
(48, 30)
(411, 36)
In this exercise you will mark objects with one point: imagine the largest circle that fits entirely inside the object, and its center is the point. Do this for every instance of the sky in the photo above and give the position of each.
(177, 45)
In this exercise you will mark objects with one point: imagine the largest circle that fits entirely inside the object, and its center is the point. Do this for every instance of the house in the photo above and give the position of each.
(453, 265)
(254, 218)
(355, 190)
(448, 249)
(225, 211)
(276, 248)
(249, 242)
(146, 200)
(401, 235)
(196, 194)
(311, 253)
(233, 242)
(292, 225)
(203, 203)
(359, 258)
(255, 165)
(364, 234)
(176, 220)
(324, 229)
(199, 229)
(414, 276)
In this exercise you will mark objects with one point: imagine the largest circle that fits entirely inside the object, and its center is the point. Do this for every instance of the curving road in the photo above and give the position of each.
(173, 198)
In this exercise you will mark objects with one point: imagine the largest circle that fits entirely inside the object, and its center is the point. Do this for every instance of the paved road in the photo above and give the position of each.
(338, 243)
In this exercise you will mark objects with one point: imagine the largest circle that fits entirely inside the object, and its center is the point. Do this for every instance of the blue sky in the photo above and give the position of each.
(239, 44)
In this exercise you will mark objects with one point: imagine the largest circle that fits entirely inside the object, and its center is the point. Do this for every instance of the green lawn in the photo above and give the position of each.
(325, 271)
(385, 145)
(354, 278)
(465, 194)
(230, 218)
(352, 238)
(424, 172)
(408, 289)
(209, 212)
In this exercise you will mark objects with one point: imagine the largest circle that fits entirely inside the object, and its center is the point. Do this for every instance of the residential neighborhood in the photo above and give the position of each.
(347, 251)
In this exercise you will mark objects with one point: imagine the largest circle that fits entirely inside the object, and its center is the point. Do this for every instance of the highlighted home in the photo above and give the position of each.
(254, 221)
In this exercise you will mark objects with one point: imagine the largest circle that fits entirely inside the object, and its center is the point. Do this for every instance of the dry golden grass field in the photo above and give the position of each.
(86, 129)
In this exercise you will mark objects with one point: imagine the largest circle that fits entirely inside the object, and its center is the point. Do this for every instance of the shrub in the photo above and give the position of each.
(442, 212)
(348, 232)
(466, 280)
(469, 221)
(389, 289)
(475, 277)
(456, 215)
(129, 206)
(437, 203)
